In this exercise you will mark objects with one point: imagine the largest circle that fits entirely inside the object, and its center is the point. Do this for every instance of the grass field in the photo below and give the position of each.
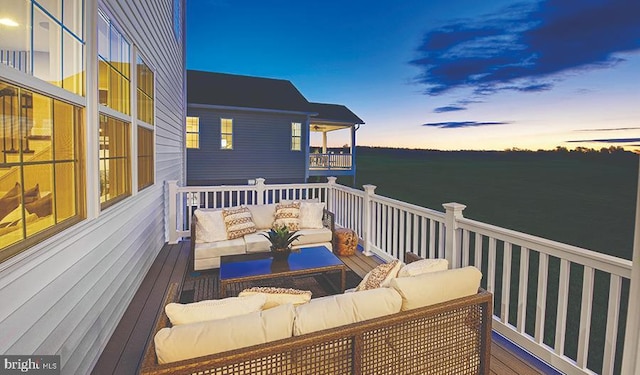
(586, 200)
(583, 199)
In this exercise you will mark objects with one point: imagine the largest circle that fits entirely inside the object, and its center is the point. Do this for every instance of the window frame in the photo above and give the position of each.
(223, 134)
(196, 133)
(294, 137)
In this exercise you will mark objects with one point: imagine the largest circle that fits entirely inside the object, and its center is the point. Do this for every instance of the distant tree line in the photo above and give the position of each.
(611, 150)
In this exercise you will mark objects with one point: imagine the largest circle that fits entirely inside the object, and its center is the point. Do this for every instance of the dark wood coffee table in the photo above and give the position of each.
(260, 266)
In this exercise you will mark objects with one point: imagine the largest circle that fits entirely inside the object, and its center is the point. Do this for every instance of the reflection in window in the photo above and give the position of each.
(145, 157)
(296, 136)
(145, 92)
(193, 132)
(40, 184)
(114, 65)
(115, 172)
(34, 41)
(226, 134)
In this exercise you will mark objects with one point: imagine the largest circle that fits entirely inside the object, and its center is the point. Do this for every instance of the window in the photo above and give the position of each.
(45, 39)
(193, 132)
(114, 61)
(41, 184)
(145, 92)
(115, 174)
(145, 157)
(226, 134)
(296, 136)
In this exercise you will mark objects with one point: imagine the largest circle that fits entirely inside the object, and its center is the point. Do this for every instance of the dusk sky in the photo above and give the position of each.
(442, 74)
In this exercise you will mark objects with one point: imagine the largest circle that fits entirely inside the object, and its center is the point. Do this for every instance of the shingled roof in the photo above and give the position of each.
(232, 90)
(334, 113)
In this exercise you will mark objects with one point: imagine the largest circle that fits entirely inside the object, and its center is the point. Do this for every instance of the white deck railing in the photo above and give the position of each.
(560, 302)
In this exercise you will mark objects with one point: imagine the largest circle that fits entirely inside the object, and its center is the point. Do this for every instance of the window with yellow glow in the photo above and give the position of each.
(193, 132)
(114, 66)
(144, 92)
(226, 134)
(115, 165)
(41, 185)
(296, 136)
(145, 157)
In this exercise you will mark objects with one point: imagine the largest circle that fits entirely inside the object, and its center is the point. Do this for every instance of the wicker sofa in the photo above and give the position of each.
(452, 337)
(206, 254)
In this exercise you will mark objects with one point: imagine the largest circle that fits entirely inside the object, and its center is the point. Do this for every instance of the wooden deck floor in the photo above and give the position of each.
(125, 350)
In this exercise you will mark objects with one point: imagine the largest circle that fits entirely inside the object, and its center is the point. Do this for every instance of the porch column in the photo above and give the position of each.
(324, 142)
(353, 154)
(630, 362)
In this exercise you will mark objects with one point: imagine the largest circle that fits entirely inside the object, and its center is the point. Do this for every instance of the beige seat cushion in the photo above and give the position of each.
(435, 287)
(308, 236)
(263, 215)
(215, 336)
(214, 309)
(256, 242)
(334, 311)
(210, 226)
(380, 276)
(423, 266)
(219, 248)
(278, 296)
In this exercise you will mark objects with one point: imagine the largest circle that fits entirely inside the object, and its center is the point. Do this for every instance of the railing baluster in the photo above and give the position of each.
(441, 240)
(432, 239)
(506, 283)
(541, 300)
(394, 233)
(522, 289)
(613, 316)
(491, 270)
(423, 251)
(563, 300)
(465, 248)
(402, 217)
(478, 250)
(585, 317)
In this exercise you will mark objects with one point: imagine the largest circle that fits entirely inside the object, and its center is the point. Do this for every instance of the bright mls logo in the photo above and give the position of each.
(29, 364)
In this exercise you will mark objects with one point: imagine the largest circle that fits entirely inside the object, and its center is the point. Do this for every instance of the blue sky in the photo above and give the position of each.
(454, 74)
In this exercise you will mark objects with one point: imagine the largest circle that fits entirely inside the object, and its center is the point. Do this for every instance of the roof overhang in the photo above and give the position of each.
(248, 109)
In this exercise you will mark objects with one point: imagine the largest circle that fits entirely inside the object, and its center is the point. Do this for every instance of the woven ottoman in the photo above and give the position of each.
(346, 242)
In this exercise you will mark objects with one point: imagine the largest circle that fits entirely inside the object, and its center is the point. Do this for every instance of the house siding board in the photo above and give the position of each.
(261, 148)
(66, 295)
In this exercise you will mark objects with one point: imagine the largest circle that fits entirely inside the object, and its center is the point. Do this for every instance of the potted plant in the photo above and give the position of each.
(281, 238)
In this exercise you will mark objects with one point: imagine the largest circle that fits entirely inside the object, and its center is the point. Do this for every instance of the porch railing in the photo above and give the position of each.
(564, 304)
(330, 161)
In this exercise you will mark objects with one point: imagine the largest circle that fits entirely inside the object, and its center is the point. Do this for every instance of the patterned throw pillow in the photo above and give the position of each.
(288, 214)
(278, 296)
(380, 276)
(238, 222)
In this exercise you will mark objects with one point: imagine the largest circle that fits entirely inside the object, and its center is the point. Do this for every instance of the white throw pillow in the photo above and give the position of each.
(278, 296)
(341, 309)
(210, 337)
(380, 276)
(213, 309)
(311, 215)
(423, 266)
(436, 287)
(263, 215)
(210, 226)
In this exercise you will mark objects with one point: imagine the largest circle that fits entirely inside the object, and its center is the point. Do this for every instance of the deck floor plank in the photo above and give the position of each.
(125, 349)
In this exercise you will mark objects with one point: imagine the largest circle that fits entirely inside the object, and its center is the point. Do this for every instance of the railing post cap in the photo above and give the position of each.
(453, 206)
(332, 180)
(369, 188)
(260, 181)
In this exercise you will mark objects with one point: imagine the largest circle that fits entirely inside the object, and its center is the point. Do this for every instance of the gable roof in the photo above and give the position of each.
(230, 90)
(334, 113)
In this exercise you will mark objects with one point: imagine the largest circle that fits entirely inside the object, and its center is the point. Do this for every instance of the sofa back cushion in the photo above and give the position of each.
(263, 215)
(338, 310)
(188, 313)
(436, 287)
(216, 336)
(210, 226)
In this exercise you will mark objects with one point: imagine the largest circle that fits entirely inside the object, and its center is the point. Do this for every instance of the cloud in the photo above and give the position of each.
(527, 47)
(461, 124)
(449, 108)
(611, 140)
(607, 130)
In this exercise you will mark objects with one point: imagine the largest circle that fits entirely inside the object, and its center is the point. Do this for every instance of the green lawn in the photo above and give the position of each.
(586, 200)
